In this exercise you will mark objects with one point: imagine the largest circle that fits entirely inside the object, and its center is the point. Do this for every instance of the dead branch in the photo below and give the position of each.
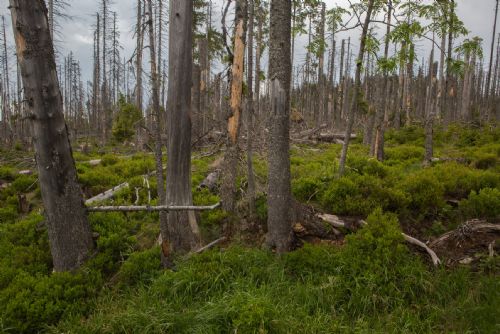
(107, 194)
(147, 208)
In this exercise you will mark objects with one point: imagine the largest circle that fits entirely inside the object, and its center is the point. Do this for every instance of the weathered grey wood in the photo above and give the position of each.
(280, 234)
(181, 234)
(70, 235)
(107, 194)
(147, 208)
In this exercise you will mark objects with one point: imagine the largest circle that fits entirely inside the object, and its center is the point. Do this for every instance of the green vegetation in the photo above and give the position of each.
(126, 120)
(372, 284)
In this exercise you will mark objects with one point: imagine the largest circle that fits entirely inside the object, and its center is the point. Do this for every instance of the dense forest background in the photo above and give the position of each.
(249, 166)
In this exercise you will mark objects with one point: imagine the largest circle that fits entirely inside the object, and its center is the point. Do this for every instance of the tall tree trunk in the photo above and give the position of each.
(250, 111)
(155, 85)
(7, 112)
(356, 99)
(234, 121)
(181, 233)
(138, 59)
(488, 78)
(280, 235)
(429, 112)
(70, 235)
(377, 148)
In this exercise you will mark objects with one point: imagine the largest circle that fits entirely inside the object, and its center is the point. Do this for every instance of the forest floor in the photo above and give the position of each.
(368, 281)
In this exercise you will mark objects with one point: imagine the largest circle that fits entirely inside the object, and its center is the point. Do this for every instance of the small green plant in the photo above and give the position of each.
(126, 119)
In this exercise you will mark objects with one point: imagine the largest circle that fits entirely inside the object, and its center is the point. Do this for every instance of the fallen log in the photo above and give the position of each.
(331, 137)
(339, 223)
(147, 208)
(107, 194)
(466, 229)
(309, 132)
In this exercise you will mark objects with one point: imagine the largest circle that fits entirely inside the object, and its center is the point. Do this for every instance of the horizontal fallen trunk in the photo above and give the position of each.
(339, 223)
(469, 227)
(107, 194)
(331, 137)
(309, 132)
(139, 208)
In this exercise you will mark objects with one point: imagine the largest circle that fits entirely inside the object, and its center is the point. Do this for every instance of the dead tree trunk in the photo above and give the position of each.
(155, 85)
(234, 123)
(356, 99)
(280, 235)
(70, 235)
(250, 111)
(181, 233)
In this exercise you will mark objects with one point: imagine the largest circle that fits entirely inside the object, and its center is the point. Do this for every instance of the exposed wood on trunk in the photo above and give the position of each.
(234, 123)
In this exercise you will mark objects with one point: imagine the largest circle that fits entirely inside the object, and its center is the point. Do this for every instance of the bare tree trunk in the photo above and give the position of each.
(233, 125)
(377, 148)
(155, 85)
(429, 112)
(258, 56)
(356, 99)
(7, 112)
(181, 233)
(70, 235)
(250, 111)
(280, 235)
(138, 59)
(488, 78)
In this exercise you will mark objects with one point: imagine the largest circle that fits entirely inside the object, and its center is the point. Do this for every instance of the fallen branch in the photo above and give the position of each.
(210, 245)
(339, 223)
(416, 242)
(107, 194)
(147, 208)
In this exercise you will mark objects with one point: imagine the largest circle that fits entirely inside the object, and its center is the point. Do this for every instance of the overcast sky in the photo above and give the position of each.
(77, 33)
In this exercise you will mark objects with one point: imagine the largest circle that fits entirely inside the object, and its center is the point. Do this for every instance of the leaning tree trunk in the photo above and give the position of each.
(181, 233)
(280, 235)
(70, 235)
(356, 99)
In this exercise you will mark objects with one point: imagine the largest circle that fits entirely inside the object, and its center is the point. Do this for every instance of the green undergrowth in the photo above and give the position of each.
(372, 285)
(400, 184)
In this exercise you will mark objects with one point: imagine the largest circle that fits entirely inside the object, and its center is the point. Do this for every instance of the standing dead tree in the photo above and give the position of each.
(70, 235)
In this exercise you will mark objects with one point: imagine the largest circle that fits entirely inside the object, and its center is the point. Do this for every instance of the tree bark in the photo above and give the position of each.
(250, 111)
(181, 233)
(280, 234)
(70, 235)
